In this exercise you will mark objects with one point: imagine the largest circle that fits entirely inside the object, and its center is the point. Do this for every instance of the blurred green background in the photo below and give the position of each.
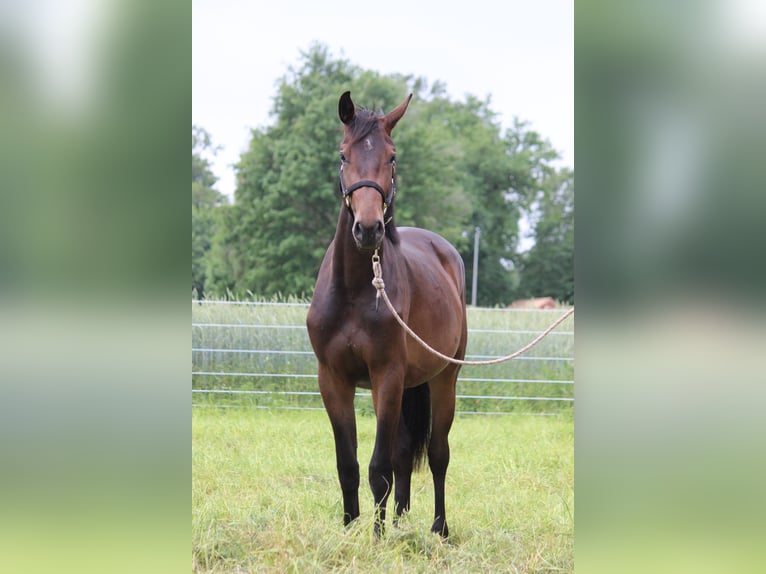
(95, 106)
(670, 143)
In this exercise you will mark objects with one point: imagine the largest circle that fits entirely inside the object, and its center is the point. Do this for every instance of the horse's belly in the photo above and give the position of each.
(423, 367)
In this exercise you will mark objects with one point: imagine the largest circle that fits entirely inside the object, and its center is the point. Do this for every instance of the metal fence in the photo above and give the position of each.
(258, 354)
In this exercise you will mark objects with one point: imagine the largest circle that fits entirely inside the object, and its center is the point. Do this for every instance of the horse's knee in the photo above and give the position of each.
(380, 477)
(348, 474)
(438, 458)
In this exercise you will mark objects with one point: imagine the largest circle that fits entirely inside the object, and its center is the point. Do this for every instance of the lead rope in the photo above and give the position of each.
(377, 282)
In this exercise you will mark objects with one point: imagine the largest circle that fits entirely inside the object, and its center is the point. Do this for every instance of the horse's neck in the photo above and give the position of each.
(352, 268)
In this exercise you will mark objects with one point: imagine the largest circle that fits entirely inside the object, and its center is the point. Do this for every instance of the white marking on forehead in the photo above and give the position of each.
(367, 144)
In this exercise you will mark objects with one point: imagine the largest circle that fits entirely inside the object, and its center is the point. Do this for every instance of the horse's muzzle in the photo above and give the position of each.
(368, 237)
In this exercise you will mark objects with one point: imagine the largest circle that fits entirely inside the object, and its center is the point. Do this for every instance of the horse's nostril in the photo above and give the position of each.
(368, 234)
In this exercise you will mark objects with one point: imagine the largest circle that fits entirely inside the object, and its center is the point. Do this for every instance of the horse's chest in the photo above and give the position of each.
(334, 332)
(350, 341)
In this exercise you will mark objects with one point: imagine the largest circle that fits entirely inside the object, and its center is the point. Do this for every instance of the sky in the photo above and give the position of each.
(519, 53)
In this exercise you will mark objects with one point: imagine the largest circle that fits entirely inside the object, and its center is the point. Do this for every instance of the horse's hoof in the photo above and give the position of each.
(378, 530)
(440, 527)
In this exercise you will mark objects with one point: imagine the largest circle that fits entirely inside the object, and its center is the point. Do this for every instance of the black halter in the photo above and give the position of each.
(387, 199)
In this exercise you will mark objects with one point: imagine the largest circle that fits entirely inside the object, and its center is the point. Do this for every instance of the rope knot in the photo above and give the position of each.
(377, 280)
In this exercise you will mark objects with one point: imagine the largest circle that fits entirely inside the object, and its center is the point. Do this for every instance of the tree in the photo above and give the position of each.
(455, 170)
(548, 268)
(499, 175)
(285, 203)
(505, 171)
(205, 198)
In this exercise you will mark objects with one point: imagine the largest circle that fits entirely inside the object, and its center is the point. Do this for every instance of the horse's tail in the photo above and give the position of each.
(416, 416)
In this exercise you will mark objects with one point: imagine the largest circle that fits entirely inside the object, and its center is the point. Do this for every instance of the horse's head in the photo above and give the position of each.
(367, 170)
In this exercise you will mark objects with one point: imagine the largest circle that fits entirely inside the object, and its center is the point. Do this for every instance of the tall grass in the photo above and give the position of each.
(282, 328)
(265, 498)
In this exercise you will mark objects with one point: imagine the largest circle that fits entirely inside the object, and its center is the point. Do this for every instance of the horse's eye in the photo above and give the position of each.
(343, 157)
(393, 159)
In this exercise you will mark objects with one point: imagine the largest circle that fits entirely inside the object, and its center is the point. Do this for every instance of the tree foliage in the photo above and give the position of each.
(204, 199)
(456, 170)
(548, 268)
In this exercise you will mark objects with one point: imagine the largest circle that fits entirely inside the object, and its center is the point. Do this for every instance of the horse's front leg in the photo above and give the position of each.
(338, 398)
(387, 392)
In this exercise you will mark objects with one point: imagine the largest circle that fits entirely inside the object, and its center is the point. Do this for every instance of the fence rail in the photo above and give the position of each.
(258, 354)
(311, 353)
(302, 327)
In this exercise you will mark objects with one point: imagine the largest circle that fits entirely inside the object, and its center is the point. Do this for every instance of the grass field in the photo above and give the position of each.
(265, 497)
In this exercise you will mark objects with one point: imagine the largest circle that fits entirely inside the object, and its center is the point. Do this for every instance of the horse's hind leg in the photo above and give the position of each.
(412, 441)
(442, 414)
(402, 469)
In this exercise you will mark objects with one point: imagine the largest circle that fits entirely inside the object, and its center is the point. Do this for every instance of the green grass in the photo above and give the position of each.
(292, 366)
(265, 498)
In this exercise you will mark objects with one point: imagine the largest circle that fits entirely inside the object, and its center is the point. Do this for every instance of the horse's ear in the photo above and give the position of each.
(396, 114)
(346, 108)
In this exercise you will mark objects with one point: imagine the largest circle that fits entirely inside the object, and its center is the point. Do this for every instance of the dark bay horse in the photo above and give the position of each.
(358, 343)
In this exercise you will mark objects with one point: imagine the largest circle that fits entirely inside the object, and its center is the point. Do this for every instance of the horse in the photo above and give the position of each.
(358, 343)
